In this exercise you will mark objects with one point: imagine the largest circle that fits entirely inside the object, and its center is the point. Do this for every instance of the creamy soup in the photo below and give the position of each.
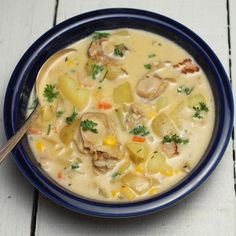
(126, 114)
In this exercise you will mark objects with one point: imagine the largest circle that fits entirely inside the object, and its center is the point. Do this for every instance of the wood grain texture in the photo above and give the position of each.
(21, 22)
(209, 211)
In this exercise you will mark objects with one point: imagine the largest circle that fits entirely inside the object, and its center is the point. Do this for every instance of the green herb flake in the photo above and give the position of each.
(174, 138)
(72, 71)
(199, 109)
(70, 119)
(34, 104)
(151, 55)
(120, 50)
(139, 150)
(140, 130)
(75, 166)
(50, 93)
(49, 129)
(99, 35)
(183, 89)
(116, 174)
(148, 66)
(59, 113)
(89, 125)
(95, 70)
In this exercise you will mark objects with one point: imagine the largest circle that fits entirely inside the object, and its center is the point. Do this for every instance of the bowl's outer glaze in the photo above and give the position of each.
(78, 27)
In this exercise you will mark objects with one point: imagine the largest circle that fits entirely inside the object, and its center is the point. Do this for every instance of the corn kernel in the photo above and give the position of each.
(114, 193)
(139, 169)
(40, 145)
(125, 190)
(110, 141)
(153, 191)
(151, 114)
(70, 63)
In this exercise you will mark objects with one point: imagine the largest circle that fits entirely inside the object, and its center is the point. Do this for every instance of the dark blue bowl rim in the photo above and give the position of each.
(10, 127)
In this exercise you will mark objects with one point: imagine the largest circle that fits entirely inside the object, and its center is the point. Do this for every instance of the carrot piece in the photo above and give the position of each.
(59, 175)
(138, 139)
(33, 131)
(104, 105)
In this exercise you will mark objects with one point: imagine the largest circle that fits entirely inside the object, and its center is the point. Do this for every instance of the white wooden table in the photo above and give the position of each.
(209, 211)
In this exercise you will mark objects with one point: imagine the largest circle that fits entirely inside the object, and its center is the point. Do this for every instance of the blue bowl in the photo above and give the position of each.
(76, 28)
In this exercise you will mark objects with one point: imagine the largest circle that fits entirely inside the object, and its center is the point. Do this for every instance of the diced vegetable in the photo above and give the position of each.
(138, 151)
(162, 125)
(124, 167)
(123, 93)
(138, 139)
(120, 116)
(110, 141)
(195, 100)
(113, 72)
(138, 184)
(79, 97)
(104, 105)
(127, 193)
(177, 115)
(67, 133)
(161, 103)
(47, 112)
(157, 163)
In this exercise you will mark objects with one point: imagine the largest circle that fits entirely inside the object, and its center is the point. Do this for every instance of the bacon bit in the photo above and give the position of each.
(138, 139)
(187, 66)
(170, 149)
(59, 175)
(104, 105)
(33, 131)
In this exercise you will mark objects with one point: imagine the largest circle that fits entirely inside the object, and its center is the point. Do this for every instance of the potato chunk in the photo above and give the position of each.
(162, 125)
(123, 93)
(138, 151)
(67, 133)
(177, 115)
(157, 164)
(138, 184)
(78, 97)
(161, 103)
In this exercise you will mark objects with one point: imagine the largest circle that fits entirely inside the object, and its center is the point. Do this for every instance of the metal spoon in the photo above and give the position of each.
(40, 82)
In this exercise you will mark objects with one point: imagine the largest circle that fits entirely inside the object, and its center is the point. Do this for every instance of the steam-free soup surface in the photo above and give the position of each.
(125, 115)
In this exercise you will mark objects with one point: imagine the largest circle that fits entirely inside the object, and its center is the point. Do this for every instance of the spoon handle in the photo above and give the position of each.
(11, 143)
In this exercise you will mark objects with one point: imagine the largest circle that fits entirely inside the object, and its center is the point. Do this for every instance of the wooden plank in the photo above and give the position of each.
(21, 22)
(209, 211)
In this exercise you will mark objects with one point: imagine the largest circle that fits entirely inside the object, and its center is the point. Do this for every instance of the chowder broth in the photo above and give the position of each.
(125, 115)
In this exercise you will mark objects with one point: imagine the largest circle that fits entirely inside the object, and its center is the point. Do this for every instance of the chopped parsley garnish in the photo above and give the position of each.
(95, 70)
(89, 125)
(199, 109)
(50, 93)
(151, 55)
(49, 129)
(148, 66)
(59, 113)
(99, 35)
(140, 130)
(71, 119)
(75, 166)
(34, 104)
(174, 138)
(116, 174)
(139, 150)
(119, 50)
(184, 89)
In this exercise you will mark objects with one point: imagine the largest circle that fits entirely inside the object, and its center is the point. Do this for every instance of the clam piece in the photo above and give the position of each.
(100, 141)
(135, 115)
(151, 86)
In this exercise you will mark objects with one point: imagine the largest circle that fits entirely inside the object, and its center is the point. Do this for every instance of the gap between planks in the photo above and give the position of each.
(230, 77)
